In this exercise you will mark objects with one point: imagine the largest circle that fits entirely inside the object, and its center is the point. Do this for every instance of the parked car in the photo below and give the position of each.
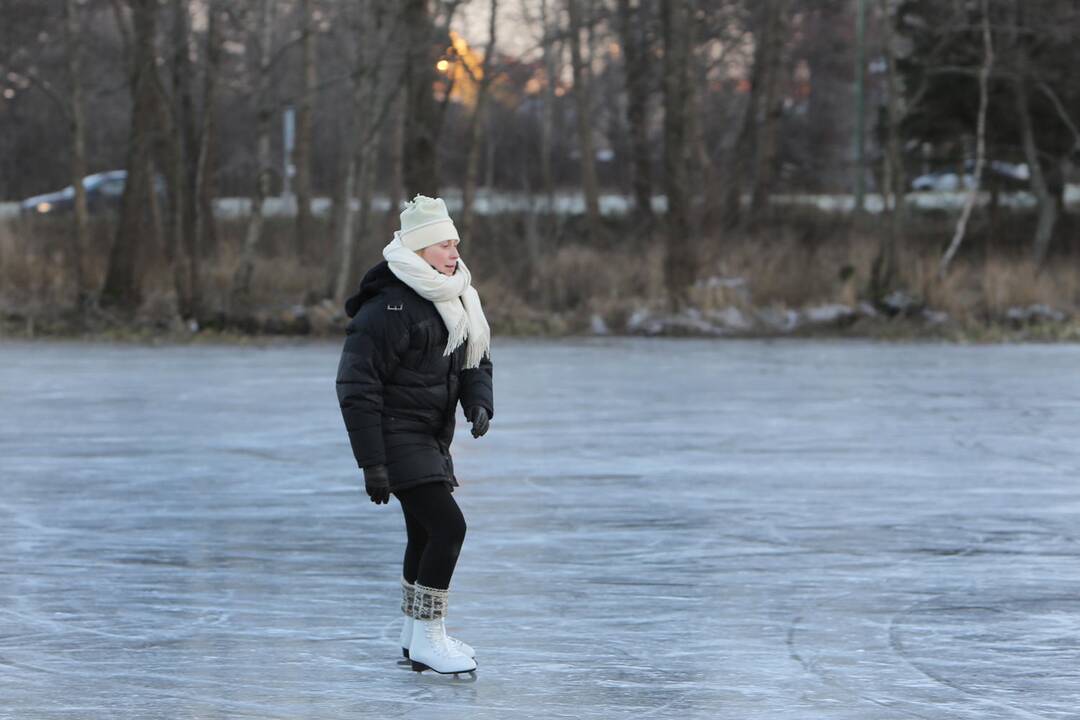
(941, 182)
(1009, 175)
(103, 192)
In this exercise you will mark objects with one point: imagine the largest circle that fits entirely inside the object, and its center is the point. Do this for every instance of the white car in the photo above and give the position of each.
(951, 181)
(942, 182)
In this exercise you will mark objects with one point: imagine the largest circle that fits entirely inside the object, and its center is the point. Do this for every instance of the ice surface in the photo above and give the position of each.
(657, 529)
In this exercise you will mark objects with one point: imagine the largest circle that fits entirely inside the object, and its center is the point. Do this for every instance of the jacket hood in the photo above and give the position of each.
(375, 279)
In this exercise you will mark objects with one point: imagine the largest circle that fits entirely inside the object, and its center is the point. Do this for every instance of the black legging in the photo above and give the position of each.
(436, 530)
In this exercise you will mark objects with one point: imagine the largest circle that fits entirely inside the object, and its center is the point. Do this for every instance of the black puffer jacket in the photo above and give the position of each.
(397, 391)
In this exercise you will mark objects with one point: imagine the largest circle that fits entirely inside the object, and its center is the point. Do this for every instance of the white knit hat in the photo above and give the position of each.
(424, 221)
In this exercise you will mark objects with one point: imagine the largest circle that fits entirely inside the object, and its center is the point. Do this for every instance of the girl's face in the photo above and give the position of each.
(442, 256)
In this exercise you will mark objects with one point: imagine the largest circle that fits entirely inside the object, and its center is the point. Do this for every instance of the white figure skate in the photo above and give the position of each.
(429, 649)
(406, 639)
(408, 600)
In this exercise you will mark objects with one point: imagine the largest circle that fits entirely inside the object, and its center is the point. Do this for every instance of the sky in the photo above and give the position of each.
(517, 35)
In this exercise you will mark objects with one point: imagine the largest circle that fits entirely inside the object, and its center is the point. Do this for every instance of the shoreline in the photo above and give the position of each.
(897, 330)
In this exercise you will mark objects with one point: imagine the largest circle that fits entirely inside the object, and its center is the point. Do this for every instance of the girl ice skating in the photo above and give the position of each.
(416, 346)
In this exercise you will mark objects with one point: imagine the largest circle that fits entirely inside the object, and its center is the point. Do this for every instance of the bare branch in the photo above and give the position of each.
(50, 92)
(980, 144)
(123, 26)
(1063, 114)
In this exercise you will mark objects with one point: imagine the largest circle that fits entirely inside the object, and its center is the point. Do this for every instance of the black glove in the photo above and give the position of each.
(377, 484)
(478, 416)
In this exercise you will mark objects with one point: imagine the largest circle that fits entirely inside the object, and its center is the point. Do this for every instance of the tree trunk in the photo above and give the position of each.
(73, 39)
(636, 51)
(440, 39)
(699, 167)
(185, 154)
(420, 164)
(346, 187)
(980, 142)
(883, 272)
(241, 290)
(396, 133)
(136, 227)
(345, 178)
(547, 118)
(355, 227)
(767, 149)
(489, 157)
(205, 234)
(343, 228)
(375, 91)
(738, 174)
(679, 261)
(304, 131)
(584, 122)
(472, 159)
(1045, 203)
(365, 193)
(530, 283)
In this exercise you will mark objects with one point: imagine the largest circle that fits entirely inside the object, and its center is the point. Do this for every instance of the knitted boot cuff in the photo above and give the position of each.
(429, 603)
(407, 592)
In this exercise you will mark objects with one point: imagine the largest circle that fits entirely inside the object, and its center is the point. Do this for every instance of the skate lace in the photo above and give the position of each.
(437, 638)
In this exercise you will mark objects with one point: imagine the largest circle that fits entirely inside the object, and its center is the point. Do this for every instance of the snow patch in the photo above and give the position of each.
(730, 318)
(597, 325)
(830, 313)
(1034, 313)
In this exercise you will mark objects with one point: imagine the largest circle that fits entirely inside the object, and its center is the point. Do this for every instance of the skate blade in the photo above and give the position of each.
(421, 667)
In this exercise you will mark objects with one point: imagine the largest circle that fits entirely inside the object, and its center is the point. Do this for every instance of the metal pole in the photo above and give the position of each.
(288, 131)
(860, 100)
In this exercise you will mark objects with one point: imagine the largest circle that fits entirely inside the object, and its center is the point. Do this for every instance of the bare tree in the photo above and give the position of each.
(549, 40)
(345, 186)
(767, 147)
(264, 108)
(304, 130)
(1045, 201)
(375, 86)
(679, 261)
(582, 96)
(395, 133)
(428, 34)
(73, 37)
(980, 142)
(740, 168)
(883, 272)
(183, 154)
(551, 54)
(634, 35)
(136, 227)
(421, 173)
(204, 226)
(472, 158)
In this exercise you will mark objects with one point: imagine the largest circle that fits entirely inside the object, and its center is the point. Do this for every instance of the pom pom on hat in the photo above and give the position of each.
(425, 221)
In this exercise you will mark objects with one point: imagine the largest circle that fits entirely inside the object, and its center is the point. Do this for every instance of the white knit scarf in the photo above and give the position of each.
(453, 295)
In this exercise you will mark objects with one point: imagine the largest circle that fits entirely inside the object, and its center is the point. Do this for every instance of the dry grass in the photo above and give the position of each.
(800, 260)
(984, 291)
(788, 273)
(277, 282)
(1020, 283)
(35, 272)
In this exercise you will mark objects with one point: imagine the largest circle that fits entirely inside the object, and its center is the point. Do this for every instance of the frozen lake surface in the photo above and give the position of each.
(657, 529)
